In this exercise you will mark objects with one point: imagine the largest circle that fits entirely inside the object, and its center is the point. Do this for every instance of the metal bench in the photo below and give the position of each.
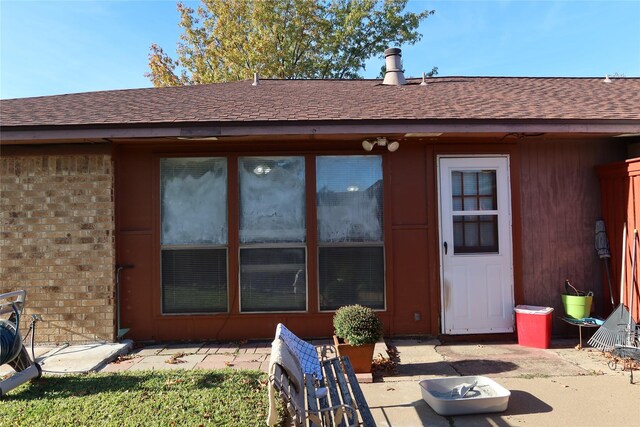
(335, 399)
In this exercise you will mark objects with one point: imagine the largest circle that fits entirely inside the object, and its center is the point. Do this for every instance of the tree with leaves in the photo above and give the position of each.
(227, 40)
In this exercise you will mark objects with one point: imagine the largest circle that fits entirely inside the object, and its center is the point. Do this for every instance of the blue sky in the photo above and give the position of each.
(55, 47)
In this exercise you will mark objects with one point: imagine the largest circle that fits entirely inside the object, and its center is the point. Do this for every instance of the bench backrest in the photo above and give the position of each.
(306, 352)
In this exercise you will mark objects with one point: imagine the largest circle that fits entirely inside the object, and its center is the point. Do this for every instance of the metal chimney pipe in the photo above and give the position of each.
(393, 75)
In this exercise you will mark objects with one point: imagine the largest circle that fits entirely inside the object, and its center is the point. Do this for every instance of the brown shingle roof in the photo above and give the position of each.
(466, 98)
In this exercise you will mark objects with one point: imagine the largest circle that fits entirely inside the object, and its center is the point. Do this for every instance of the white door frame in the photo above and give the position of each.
(506, 324)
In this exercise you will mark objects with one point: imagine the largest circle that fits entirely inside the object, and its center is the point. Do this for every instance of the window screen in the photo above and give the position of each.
(193, 235)
(349, 203)
(194, 281)
(351, 275)
(273, 279)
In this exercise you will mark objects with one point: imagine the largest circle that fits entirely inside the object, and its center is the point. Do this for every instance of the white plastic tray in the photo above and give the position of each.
(487, 396)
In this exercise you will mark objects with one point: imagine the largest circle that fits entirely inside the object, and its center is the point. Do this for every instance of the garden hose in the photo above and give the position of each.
(10, 341)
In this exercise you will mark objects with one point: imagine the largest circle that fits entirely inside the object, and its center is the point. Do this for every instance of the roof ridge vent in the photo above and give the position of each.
(393, 60)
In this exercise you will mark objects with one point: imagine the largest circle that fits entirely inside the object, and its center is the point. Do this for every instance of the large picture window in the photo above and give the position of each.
(272, 234)
(349, 204)
(194, 235)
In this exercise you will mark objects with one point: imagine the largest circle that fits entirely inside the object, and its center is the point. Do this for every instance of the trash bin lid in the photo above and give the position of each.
(532, 309)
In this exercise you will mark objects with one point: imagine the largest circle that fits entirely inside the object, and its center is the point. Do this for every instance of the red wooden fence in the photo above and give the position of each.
(620, 189)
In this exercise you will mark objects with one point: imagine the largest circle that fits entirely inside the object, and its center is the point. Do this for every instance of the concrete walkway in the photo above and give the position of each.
(561, 386)
(253, 355)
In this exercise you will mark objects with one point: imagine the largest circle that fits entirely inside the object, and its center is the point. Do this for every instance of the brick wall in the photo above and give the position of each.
(56, 241)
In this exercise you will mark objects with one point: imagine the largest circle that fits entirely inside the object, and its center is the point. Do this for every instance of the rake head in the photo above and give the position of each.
(614, 331)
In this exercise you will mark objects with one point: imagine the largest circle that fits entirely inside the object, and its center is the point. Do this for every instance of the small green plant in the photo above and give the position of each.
(357, 324)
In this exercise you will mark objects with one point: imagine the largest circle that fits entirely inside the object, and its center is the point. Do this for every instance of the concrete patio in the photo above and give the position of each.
(560, 386)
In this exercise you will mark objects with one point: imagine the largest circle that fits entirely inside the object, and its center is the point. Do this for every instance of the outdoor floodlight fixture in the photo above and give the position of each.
(368, 146)
(382, 142)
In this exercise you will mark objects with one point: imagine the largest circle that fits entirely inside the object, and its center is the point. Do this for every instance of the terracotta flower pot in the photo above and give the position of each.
(361, 357)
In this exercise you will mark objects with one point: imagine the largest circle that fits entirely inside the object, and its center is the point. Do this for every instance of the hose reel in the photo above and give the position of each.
(10, 339)
(12, 350)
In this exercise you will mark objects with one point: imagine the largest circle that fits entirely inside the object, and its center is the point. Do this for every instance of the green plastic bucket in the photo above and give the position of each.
(577, 307)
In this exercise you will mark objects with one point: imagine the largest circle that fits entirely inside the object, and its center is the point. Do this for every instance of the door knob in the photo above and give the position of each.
(445, 247)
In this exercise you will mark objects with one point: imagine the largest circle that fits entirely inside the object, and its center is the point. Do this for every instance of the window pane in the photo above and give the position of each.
(489, 233)
(458, 233)
(470, 203)
(273, 279)
(471, 233)
(351, 275)
(470, 183)
(473, 190)
(487, 180)
(475, 234)
(456, 183)
(457, 203)
(194, 281)
(194, 201)
(272, 199)
(487, 203)
(349, 198)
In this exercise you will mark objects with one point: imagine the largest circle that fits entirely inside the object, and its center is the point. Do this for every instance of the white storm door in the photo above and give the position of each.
(476, 252)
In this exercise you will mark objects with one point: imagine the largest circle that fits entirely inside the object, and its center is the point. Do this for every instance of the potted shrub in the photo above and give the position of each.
(357, 329)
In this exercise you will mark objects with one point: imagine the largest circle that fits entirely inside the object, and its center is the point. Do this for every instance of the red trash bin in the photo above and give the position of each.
(534, 325)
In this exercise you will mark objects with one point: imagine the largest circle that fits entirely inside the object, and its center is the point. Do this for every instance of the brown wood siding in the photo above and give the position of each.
(409, 255)
(560, 202)
(555, 201)
(620, 186)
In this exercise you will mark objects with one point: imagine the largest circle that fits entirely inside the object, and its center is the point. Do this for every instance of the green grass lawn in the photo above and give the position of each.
(146, 398)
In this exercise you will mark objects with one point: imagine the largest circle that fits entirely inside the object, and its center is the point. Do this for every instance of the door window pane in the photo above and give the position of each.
(487, 183)
(272, 199)
(475, 234)
(456, 183)
(470, 203)
(273, 279)
(474, 190)
(470, 183)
